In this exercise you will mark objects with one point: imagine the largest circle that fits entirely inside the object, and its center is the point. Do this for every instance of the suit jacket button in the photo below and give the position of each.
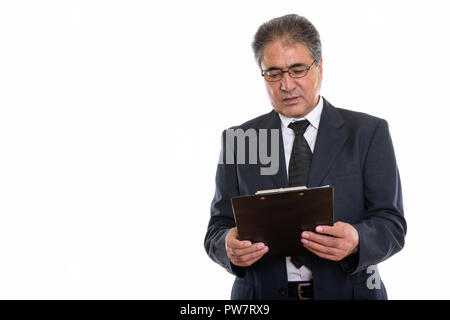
(282, 291)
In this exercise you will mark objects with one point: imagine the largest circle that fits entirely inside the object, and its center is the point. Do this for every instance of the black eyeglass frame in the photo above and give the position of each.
(291, 73)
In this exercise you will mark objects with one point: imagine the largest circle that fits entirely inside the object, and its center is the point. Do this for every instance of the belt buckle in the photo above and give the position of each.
(299, 290)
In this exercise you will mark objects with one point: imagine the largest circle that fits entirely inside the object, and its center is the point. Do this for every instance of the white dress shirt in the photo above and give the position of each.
(303, 273)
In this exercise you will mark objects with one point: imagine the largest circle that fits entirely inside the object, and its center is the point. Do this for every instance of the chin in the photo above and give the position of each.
(293, 112)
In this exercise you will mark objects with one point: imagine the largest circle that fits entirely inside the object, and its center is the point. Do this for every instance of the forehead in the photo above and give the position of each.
(282, 54)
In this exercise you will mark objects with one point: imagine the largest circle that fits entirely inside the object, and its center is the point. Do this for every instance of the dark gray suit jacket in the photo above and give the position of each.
(354, 154)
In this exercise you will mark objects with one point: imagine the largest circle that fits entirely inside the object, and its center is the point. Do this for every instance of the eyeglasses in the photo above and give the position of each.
(295, 71)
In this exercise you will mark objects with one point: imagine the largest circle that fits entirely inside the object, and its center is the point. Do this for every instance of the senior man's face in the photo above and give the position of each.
(292, 97)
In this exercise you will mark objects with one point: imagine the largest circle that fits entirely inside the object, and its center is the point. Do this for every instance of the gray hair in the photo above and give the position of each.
(290, 27)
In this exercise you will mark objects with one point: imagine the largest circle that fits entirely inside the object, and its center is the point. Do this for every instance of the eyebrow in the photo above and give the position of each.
(291, 66)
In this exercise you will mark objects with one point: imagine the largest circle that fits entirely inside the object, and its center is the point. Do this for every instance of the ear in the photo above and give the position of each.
(320, 67)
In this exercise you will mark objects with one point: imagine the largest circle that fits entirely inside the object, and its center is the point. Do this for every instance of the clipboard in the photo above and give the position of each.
(278, 217)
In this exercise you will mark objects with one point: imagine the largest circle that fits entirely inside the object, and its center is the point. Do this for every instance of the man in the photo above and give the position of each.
(319, 145)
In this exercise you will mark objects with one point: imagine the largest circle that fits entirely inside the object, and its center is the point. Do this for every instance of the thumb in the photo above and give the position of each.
(232, 240)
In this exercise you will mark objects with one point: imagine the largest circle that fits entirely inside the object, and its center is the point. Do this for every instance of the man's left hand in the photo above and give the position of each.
(332, 243)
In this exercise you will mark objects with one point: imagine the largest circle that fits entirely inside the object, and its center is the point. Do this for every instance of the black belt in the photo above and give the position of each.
(302, 290)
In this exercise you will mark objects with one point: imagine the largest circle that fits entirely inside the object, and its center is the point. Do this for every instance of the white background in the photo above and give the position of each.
(110, 122)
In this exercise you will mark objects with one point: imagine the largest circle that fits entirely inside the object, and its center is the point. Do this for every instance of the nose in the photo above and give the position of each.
(287, 83)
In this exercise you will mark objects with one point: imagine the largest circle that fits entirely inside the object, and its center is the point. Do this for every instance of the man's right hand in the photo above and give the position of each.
(243, 253)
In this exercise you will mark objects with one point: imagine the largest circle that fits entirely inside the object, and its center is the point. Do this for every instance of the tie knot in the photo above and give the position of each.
(299, 127)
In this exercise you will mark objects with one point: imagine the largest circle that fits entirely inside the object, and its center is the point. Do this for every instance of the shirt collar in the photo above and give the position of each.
(313, 117)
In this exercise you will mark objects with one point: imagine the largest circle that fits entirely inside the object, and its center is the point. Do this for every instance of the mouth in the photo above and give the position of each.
(290, 100)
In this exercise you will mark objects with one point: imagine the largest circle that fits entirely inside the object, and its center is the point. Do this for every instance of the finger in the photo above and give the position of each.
(250, 256)
(325, 240)
(236, 244)
(249, 259)
(232, 240)
(253, 248)
(323, 255)
(331, 251)
(336, 230)
(252, 261)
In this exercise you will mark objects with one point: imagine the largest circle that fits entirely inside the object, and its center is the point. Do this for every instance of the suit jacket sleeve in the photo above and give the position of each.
(382, 231)
(222, 218)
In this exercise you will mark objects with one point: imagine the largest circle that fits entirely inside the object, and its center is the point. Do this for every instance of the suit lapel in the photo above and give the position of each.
(280, 179)
(330, 139)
